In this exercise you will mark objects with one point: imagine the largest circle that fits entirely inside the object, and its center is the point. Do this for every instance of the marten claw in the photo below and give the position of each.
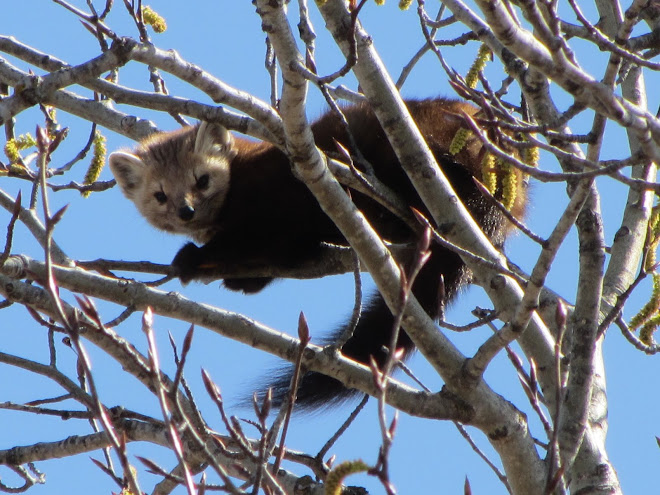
(186, 263)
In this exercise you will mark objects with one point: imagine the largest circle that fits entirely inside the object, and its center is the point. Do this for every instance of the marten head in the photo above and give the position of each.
(178, 180)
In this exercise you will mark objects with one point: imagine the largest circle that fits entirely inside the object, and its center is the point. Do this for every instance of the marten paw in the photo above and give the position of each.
(186, 263)
(246, 285)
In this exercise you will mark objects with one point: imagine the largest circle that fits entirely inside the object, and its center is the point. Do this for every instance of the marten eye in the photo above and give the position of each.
(202, 182)
(161, 197)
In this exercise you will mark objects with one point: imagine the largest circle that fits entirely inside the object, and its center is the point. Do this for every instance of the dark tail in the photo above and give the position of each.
(372, 335)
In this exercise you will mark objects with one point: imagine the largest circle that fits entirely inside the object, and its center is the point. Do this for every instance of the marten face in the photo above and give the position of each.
(178, 180)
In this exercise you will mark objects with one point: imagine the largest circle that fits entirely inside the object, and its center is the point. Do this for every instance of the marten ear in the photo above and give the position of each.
(214, 139)
(128, 170)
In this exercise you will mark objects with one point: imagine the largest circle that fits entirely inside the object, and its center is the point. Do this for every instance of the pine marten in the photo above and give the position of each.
(241, 201)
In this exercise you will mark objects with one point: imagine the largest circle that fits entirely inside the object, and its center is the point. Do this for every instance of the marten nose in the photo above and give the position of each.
(186, 213)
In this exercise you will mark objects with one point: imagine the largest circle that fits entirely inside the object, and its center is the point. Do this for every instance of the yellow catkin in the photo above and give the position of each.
(98, 160)
(15, 169)
(509, 184)
(15, 145)
(651, 256)
(153, 19)
(405, 4)
(654, 220)
(11, 151)
(335, 477)
(654, 233)
(488, 173)
(25, 141)
(380, 2)
(531, 156)
(648, 318)
(459, 141)
(478, 65)
(649, 328)
(650, 308)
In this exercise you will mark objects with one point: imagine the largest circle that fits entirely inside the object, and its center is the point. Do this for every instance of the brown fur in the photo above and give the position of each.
(255, 212)
(171, 164)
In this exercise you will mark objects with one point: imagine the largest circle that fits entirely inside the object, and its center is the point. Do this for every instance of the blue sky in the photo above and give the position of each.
(225, 39)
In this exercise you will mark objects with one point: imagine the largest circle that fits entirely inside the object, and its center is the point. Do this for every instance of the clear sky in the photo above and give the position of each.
(225, 38)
